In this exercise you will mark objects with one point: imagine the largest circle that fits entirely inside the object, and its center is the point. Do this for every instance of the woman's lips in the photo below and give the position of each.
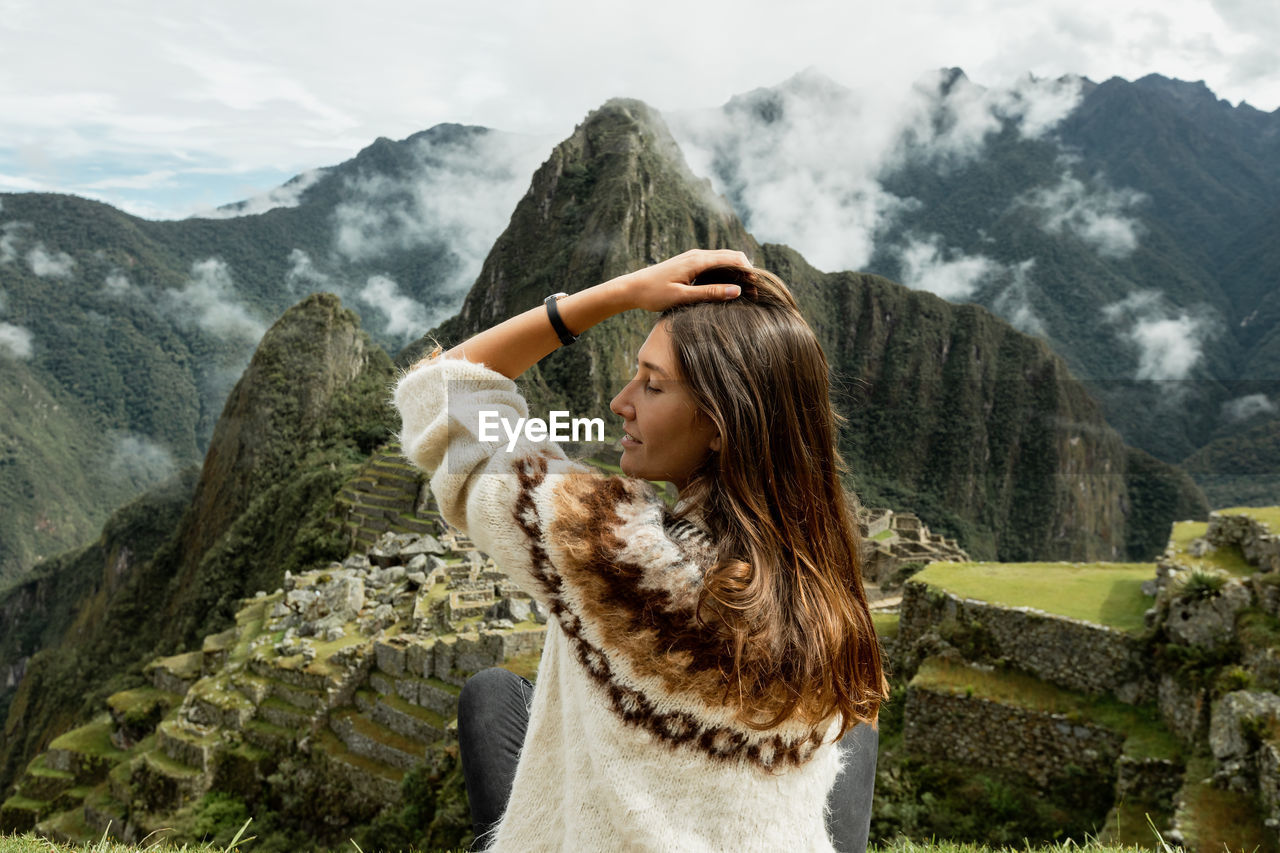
(628, 441)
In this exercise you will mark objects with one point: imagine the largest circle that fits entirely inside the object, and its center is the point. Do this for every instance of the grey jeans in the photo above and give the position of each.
(493, 715)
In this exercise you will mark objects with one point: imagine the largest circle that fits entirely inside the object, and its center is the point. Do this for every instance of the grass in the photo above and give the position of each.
(1215, 817)
(140, 699)
(329, 742)
(426, 715)
(185, 666)
(525, 666)
(1228, 559)
(91, 739)
(1107, 594)
(887, 533)
(32, 844)
(886, 624)
(1145, 736)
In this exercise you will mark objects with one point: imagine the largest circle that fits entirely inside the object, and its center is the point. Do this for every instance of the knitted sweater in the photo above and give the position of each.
(630, 745)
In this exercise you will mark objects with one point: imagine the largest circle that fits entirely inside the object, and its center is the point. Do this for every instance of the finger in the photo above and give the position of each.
(712, 293)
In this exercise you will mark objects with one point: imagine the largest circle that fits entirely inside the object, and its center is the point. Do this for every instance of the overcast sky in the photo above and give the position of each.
(166, 108)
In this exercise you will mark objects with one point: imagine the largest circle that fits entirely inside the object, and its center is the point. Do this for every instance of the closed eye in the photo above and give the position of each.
(652, 390)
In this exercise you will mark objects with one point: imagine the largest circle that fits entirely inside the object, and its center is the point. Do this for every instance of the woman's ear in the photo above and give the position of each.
(716, 443)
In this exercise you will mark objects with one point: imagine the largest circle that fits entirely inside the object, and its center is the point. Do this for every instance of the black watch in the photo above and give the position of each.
(557, 323)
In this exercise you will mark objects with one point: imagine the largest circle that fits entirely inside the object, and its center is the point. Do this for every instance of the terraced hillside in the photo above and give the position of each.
(1117, 690)
(355, 669)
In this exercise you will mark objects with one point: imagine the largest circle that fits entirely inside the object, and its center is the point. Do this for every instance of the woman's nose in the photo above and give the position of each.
(621, 405)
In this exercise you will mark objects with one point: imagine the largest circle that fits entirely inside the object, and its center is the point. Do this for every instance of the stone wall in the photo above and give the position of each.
(1067, 652)
(983, 733)
(1259, 545)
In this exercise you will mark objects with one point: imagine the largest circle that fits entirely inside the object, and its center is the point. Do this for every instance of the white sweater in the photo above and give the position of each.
(630, 745)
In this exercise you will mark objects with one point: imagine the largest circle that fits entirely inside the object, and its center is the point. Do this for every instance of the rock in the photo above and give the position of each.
(1233, 717)
(537, 612)
(502, 624)
(1208, 622)
(1200, 547)
(426, 544)
(391, 576)
(359, 562)
(510, 609)
(382, 617)
(417, 564)
(417, 580)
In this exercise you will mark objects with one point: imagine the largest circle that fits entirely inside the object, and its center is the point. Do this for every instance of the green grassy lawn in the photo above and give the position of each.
(1103, 593)
(1145, 736)
(92, 739)
(886, 624)
(1229, 559)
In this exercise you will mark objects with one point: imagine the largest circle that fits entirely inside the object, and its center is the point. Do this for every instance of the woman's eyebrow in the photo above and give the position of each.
(653, 367)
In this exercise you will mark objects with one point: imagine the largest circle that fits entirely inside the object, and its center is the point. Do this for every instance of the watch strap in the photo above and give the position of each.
(557, 323)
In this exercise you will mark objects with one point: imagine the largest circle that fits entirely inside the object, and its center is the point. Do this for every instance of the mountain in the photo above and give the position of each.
(173, 566)
(120, 338)
(1131, 225)
(977, 427)
(951, 410)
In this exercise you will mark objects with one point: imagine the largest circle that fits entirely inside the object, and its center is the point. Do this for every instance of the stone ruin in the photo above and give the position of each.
(1224, 711)
(357, 665)
(897, 544)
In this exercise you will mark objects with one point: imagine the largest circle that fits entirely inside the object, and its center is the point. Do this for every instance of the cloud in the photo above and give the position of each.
(208, 301)
(1097, 215)
(1169, 342)
(949, 273)
(287, 195)
(118, 284)
(406, 318)
(457, 195)
(1248, 406)
(804, 163)
(50, 265)
(1014, 302)
(15, 341)
(302, 275)
(9, 237)
(139, 459)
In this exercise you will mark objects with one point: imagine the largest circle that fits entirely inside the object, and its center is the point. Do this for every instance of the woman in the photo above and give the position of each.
(703, 664)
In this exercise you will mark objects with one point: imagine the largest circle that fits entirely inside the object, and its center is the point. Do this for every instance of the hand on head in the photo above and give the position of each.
(660, 286)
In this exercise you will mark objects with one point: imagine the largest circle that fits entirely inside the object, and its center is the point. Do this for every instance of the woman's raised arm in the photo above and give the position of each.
(516, 344)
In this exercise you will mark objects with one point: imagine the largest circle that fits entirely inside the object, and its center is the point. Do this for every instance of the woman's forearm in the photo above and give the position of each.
(516, 344)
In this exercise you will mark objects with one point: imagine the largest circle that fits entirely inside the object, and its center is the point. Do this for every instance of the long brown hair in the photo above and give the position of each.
(786, 594)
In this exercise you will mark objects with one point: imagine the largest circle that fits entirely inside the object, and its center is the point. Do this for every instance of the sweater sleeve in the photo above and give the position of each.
(499, 492)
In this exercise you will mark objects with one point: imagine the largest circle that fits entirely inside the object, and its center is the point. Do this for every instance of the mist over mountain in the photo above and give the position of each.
(1128, 225)
(121, 337)
(1131, 225)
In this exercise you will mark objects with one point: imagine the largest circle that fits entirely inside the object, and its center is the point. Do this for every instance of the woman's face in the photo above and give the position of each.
(669, 434)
